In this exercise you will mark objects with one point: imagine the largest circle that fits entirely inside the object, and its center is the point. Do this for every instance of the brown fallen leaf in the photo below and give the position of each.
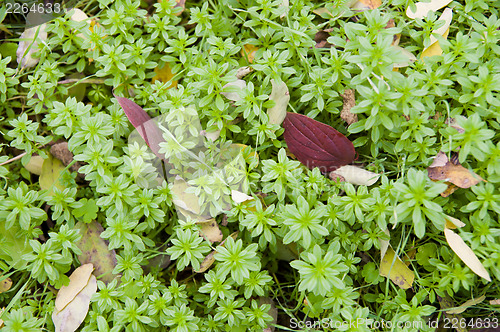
(349, 102)
(454, 124)
(362, 5)
(61, 152)
(452, 172)
(180, 4)
(210, 258)
(321, 38)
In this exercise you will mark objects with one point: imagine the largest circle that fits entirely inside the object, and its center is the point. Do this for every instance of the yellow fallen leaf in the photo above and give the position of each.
(248, 52)
(281, 97)
(52, 169)
(393, 267)
(423, 8)
(453, 223)
(246, 149)
(164, 74)
(210, 258)
(209, 229)
(35, 164)
(435, 48)
(77, 281)
(465, 253)
(466, 305)
(5, 284)
(73, 315)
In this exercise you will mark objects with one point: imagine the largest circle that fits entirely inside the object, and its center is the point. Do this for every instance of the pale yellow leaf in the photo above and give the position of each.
(29, 44)
(435, 48)
(50, 177)
(281, 97)
(423, 8)
(465, 253)
(384, 244)
(72, 316)
(77, 281)
(466, 305)
(233, 95)
(210, 230)
(411, 58)
(35, 164)
(240, 197)
(5, 284)
(357, 175)
(393, 267)
(243, 71)
(453, 223)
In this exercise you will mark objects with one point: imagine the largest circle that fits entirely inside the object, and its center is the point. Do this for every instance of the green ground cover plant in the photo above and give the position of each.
(303, 250)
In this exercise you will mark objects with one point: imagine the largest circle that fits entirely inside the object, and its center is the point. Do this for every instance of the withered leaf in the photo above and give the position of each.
(316, 144)
(452, 172)
(349, 102)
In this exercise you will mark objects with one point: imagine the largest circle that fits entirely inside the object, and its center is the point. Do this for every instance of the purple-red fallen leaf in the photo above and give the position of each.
(316, 144)
(141, 121)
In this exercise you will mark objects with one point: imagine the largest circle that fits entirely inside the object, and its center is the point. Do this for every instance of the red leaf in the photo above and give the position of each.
(316, 144)
(147, 128)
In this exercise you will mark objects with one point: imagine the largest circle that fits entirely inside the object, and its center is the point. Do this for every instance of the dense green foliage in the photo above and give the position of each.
(331, 229)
